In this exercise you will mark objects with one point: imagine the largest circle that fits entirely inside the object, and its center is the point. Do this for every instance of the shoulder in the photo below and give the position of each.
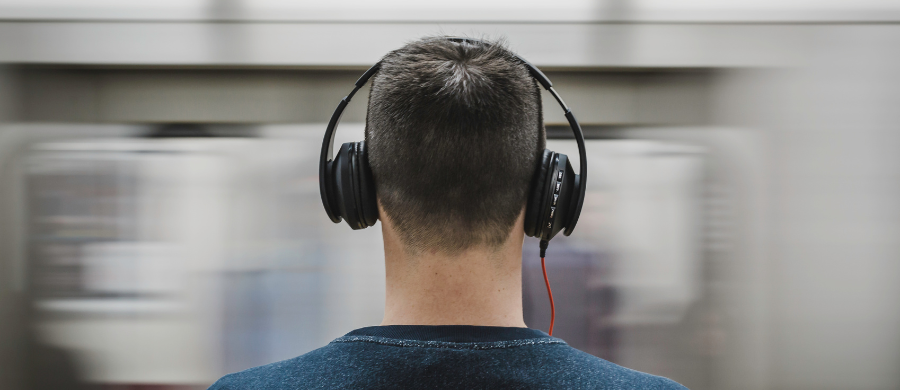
(262, 377)
(285, 374)
(597, 371)
(368, 365)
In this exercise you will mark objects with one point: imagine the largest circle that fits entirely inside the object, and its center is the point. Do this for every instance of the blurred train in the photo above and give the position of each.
(179, 256)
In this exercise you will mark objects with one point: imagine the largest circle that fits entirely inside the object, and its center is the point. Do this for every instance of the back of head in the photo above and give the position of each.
(454, 132)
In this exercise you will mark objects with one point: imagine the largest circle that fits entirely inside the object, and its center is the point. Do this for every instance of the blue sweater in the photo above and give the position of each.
(449, 356)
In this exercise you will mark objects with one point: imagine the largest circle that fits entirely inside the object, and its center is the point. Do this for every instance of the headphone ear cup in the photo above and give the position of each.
(346, 185)
(368, 204)
(534, 208)
(353, 192)
(555, 208)
(328, 183)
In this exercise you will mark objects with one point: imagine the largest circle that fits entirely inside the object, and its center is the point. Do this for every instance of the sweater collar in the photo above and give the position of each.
(450, 333)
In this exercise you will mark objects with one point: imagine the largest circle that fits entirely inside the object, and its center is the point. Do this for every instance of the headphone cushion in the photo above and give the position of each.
(536, 199)
(347, 184)
(328, 183)
(368, 205)
(355, 194)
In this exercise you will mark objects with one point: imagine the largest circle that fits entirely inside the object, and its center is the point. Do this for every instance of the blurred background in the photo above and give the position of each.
(160, 221)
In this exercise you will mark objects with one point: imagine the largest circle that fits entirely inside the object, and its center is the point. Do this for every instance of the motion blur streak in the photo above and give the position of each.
(160, 222)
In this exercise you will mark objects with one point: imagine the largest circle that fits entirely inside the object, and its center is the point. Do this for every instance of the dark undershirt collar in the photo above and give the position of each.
(450, 333)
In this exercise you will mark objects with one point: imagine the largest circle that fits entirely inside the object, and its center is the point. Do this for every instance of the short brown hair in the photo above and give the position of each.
(454, 133)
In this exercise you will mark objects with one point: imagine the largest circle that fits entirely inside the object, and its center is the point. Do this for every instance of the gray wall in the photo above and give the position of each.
(832, 184)
(108, 95)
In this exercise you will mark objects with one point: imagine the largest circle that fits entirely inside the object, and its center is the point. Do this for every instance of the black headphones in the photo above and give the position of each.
(554, 201)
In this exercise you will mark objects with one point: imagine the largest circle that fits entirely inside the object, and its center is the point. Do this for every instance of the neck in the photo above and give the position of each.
(481, 286)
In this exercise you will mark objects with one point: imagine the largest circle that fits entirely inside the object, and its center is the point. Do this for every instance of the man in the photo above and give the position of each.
(454, 132)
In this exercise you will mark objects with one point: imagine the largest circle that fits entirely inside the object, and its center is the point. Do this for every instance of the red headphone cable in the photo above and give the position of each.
(547, 282)
(550, 293)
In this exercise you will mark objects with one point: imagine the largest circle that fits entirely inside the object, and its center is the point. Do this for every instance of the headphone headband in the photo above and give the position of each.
(580, 179)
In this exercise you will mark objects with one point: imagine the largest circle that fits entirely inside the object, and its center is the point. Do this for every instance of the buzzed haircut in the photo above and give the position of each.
(454, 133)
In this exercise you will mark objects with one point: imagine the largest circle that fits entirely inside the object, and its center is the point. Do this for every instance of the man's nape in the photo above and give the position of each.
(478, 286)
